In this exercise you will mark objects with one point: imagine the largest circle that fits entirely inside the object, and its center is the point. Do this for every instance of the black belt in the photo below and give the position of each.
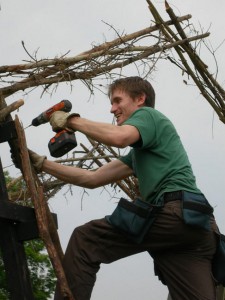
(171, 196)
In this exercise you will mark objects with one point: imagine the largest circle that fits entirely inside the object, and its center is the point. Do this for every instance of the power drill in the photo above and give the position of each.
(63, 141)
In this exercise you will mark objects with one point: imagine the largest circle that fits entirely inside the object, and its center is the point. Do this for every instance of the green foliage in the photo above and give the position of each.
(14, 187)
(3, 290)
(41, 272)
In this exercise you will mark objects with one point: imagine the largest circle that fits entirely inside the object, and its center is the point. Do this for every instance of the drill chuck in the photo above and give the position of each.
(64, 105)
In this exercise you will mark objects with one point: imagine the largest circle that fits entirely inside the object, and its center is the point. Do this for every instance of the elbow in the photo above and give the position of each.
(121, 145)
(120, 142)
(91, 186)
(92, 182)
(86, 179)
(95, 183)
(87, 185)
(123, 136)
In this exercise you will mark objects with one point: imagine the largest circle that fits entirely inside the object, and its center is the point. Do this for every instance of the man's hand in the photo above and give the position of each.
(37, 160)
(15, 156)
(59, 119)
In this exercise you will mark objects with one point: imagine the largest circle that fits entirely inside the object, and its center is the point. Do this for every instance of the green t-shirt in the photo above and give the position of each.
(159, 160)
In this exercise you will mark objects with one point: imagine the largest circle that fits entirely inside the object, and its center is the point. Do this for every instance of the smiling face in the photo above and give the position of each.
(123, 105)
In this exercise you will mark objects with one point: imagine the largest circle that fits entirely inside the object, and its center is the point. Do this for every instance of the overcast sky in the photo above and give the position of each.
(52, 28)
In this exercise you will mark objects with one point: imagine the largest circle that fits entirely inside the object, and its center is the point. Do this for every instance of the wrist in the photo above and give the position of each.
(70, 119)
(44, 163)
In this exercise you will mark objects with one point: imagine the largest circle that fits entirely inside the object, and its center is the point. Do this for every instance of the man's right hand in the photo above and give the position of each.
(59, 119)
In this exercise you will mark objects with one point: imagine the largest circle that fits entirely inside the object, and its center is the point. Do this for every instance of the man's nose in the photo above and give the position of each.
(113, 109)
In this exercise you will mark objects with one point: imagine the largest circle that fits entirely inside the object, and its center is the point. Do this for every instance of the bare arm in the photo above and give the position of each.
(117, 136)
(109, 173)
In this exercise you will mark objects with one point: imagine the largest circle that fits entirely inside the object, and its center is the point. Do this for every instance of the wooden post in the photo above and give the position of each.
(12, 248)
(45, 222)
(17, 224)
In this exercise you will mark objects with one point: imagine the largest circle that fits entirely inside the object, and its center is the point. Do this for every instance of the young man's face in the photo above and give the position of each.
(123, 105)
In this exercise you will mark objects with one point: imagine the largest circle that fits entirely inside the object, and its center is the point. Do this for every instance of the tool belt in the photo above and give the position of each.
(195, 208)
(197, 212)
(134, 219)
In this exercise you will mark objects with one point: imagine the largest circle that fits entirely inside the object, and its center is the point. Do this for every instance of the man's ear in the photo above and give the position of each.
(141, 99)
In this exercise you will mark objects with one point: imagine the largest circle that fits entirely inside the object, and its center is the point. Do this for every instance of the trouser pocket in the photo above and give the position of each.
(196, 210)
(133, 218)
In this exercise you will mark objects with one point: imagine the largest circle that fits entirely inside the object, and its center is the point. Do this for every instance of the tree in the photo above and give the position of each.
(41, 272)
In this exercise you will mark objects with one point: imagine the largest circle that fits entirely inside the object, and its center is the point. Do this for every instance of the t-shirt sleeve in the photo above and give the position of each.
(127, 159)
(143, 120)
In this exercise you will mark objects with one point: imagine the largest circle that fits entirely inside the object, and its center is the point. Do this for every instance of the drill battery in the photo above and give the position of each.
(62, 143)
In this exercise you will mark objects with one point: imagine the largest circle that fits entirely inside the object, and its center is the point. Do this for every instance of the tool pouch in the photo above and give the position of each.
(196, 210)
(133, 218)
(218, 263)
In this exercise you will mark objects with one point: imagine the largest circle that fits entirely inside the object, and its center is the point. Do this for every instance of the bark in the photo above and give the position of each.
(45, 222)
(8, 109)
(92, 63)
(193, 65)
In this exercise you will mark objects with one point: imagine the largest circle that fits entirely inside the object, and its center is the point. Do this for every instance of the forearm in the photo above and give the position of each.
(68, 174)
(101, 132)
(108, 173)
(112, 135)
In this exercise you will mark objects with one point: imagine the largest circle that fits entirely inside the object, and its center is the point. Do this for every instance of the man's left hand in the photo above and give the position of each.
(37, 160)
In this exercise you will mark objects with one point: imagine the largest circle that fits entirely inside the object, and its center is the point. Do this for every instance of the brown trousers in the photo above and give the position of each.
(182, 255)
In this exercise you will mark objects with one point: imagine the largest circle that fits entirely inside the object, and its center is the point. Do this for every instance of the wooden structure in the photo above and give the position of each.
(17, 224)
(20, 223)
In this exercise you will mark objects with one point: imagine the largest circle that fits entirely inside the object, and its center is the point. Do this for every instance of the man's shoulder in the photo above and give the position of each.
(156, 114)
(149, 110)
(144, 116)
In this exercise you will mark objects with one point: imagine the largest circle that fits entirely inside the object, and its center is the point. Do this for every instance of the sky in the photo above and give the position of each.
(51, 30)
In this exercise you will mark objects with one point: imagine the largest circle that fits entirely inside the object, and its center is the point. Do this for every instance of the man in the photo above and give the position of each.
(181, 238)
